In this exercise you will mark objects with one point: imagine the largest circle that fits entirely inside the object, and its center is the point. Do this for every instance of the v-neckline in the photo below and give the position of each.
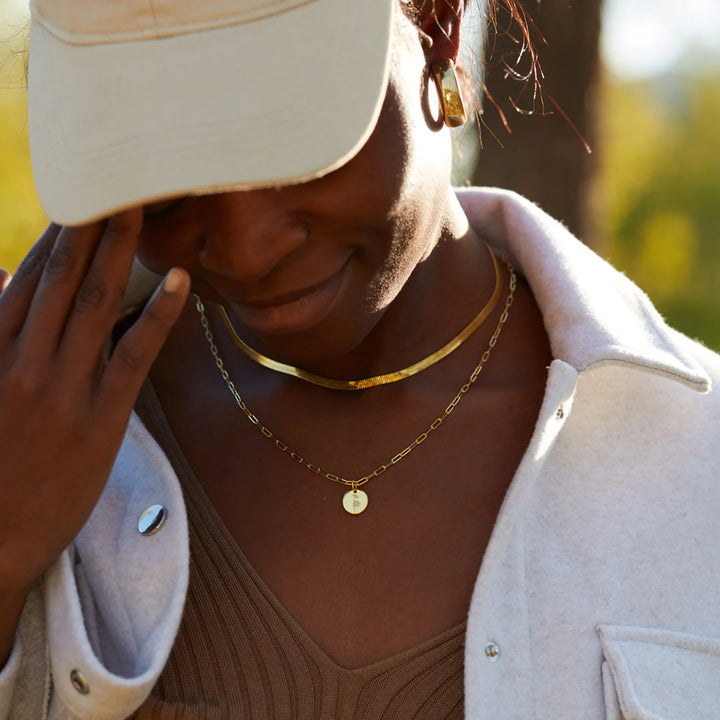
(194, 490)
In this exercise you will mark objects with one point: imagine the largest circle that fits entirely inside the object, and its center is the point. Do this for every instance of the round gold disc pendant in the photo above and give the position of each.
(355, 501)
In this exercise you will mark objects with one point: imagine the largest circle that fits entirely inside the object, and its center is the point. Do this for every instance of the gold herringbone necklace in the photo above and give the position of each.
(356, 500)
(363, 383)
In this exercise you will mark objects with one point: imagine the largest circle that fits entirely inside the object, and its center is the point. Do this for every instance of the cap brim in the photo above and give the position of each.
(277, 101)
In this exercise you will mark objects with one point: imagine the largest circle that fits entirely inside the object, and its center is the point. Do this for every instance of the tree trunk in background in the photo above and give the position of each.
(543, 158)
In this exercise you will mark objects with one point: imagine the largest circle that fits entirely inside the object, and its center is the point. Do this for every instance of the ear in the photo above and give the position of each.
(439, 22)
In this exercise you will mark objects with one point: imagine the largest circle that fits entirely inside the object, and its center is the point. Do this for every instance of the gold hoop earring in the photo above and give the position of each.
(451, 102)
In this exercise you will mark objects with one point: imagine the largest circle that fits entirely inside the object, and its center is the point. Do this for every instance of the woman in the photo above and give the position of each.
(289, 162)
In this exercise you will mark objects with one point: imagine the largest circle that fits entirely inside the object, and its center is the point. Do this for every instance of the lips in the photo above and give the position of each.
(294, 311)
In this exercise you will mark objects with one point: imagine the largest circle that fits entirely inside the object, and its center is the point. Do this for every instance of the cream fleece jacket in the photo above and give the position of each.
(599, 593)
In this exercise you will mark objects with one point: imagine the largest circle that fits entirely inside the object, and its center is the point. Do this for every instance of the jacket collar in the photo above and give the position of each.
(593, 314)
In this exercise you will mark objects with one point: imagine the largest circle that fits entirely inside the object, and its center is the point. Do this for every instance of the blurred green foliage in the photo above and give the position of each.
(659, 195)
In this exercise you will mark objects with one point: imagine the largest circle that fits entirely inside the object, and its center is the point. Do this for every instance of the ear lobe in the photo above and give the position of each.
(440, 22)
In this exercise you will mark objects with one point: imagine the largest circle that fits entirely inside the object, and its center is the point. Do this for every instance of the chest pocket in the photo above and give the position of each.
(651, 674)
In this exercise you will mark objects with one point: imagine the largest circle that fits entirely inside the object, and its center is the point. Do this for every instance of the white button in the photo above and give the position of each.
(79, 682)
(152, 520)
(492, 651)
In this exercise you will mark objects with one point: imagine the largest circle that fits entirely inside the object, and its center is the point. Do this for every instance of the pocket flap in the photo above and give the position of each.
(663, 675)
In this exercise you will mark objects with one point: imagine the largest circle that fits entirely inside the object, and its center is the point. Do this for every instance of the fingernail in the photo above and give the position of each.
(174, 280)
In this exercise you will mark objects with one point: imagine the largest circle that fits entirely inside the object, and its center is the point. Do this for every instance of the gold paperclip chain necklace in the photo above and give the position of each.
(356, 500)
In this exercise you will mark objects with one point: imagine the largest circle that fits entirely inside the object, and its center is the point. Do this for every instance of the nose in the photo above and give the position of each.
(250, 233)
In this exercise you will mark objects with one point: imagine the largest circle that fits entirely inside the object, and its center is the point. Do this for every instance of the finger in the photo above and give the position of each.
(5, 278)
(99, 297)
(18, 294)
(61, 276)
(135, 353)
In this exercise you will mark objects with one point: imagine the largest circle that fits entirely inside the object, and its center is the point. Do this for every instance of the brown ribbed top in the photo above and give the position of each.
(240, 654)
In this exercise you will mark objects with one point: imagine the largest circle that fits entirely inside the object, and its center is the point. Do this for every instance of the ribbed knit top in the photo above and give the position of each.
(239, 653)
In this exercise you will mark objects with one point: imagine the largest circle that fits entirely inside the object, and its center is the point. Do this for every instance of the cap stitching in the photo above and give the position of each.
(277, 7)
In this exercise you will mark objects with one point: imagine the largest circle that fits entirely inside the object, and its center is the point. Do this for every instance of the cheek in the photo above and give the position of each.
(385, 158)
(153, 257)
(168, 244)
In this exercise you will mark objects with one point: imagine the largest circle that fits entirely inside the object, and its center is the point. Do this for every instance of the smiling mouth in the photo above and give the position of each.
(287, 297)
(295, 311)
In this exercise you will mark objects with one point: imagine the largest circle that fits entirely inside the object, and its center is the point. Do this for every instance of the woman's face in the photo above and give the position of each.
(309, 270)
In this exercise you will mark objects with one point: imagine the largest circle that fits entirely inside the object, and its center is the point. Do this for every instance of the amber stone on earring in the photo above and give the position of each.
(451, 100)
(455, 112)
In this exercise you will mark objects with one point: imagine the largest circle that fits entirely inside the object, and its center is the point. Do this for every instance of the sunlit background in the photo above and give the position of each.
(657, 195)
(659, 182)
(646, 38)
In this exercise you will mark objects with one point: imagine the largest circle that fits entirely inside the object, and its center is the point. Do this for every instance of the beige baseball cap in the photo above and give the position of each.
(131, 101)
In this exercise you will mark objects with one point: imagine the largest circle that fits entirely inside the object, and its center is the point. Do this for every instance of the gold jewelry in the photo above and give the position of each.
(363, 383)
(356, 500)
(451, 102)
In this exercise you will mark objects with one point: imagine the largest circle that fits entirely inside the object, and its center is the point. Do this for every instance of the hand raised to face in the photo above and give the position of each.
(64, 401)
